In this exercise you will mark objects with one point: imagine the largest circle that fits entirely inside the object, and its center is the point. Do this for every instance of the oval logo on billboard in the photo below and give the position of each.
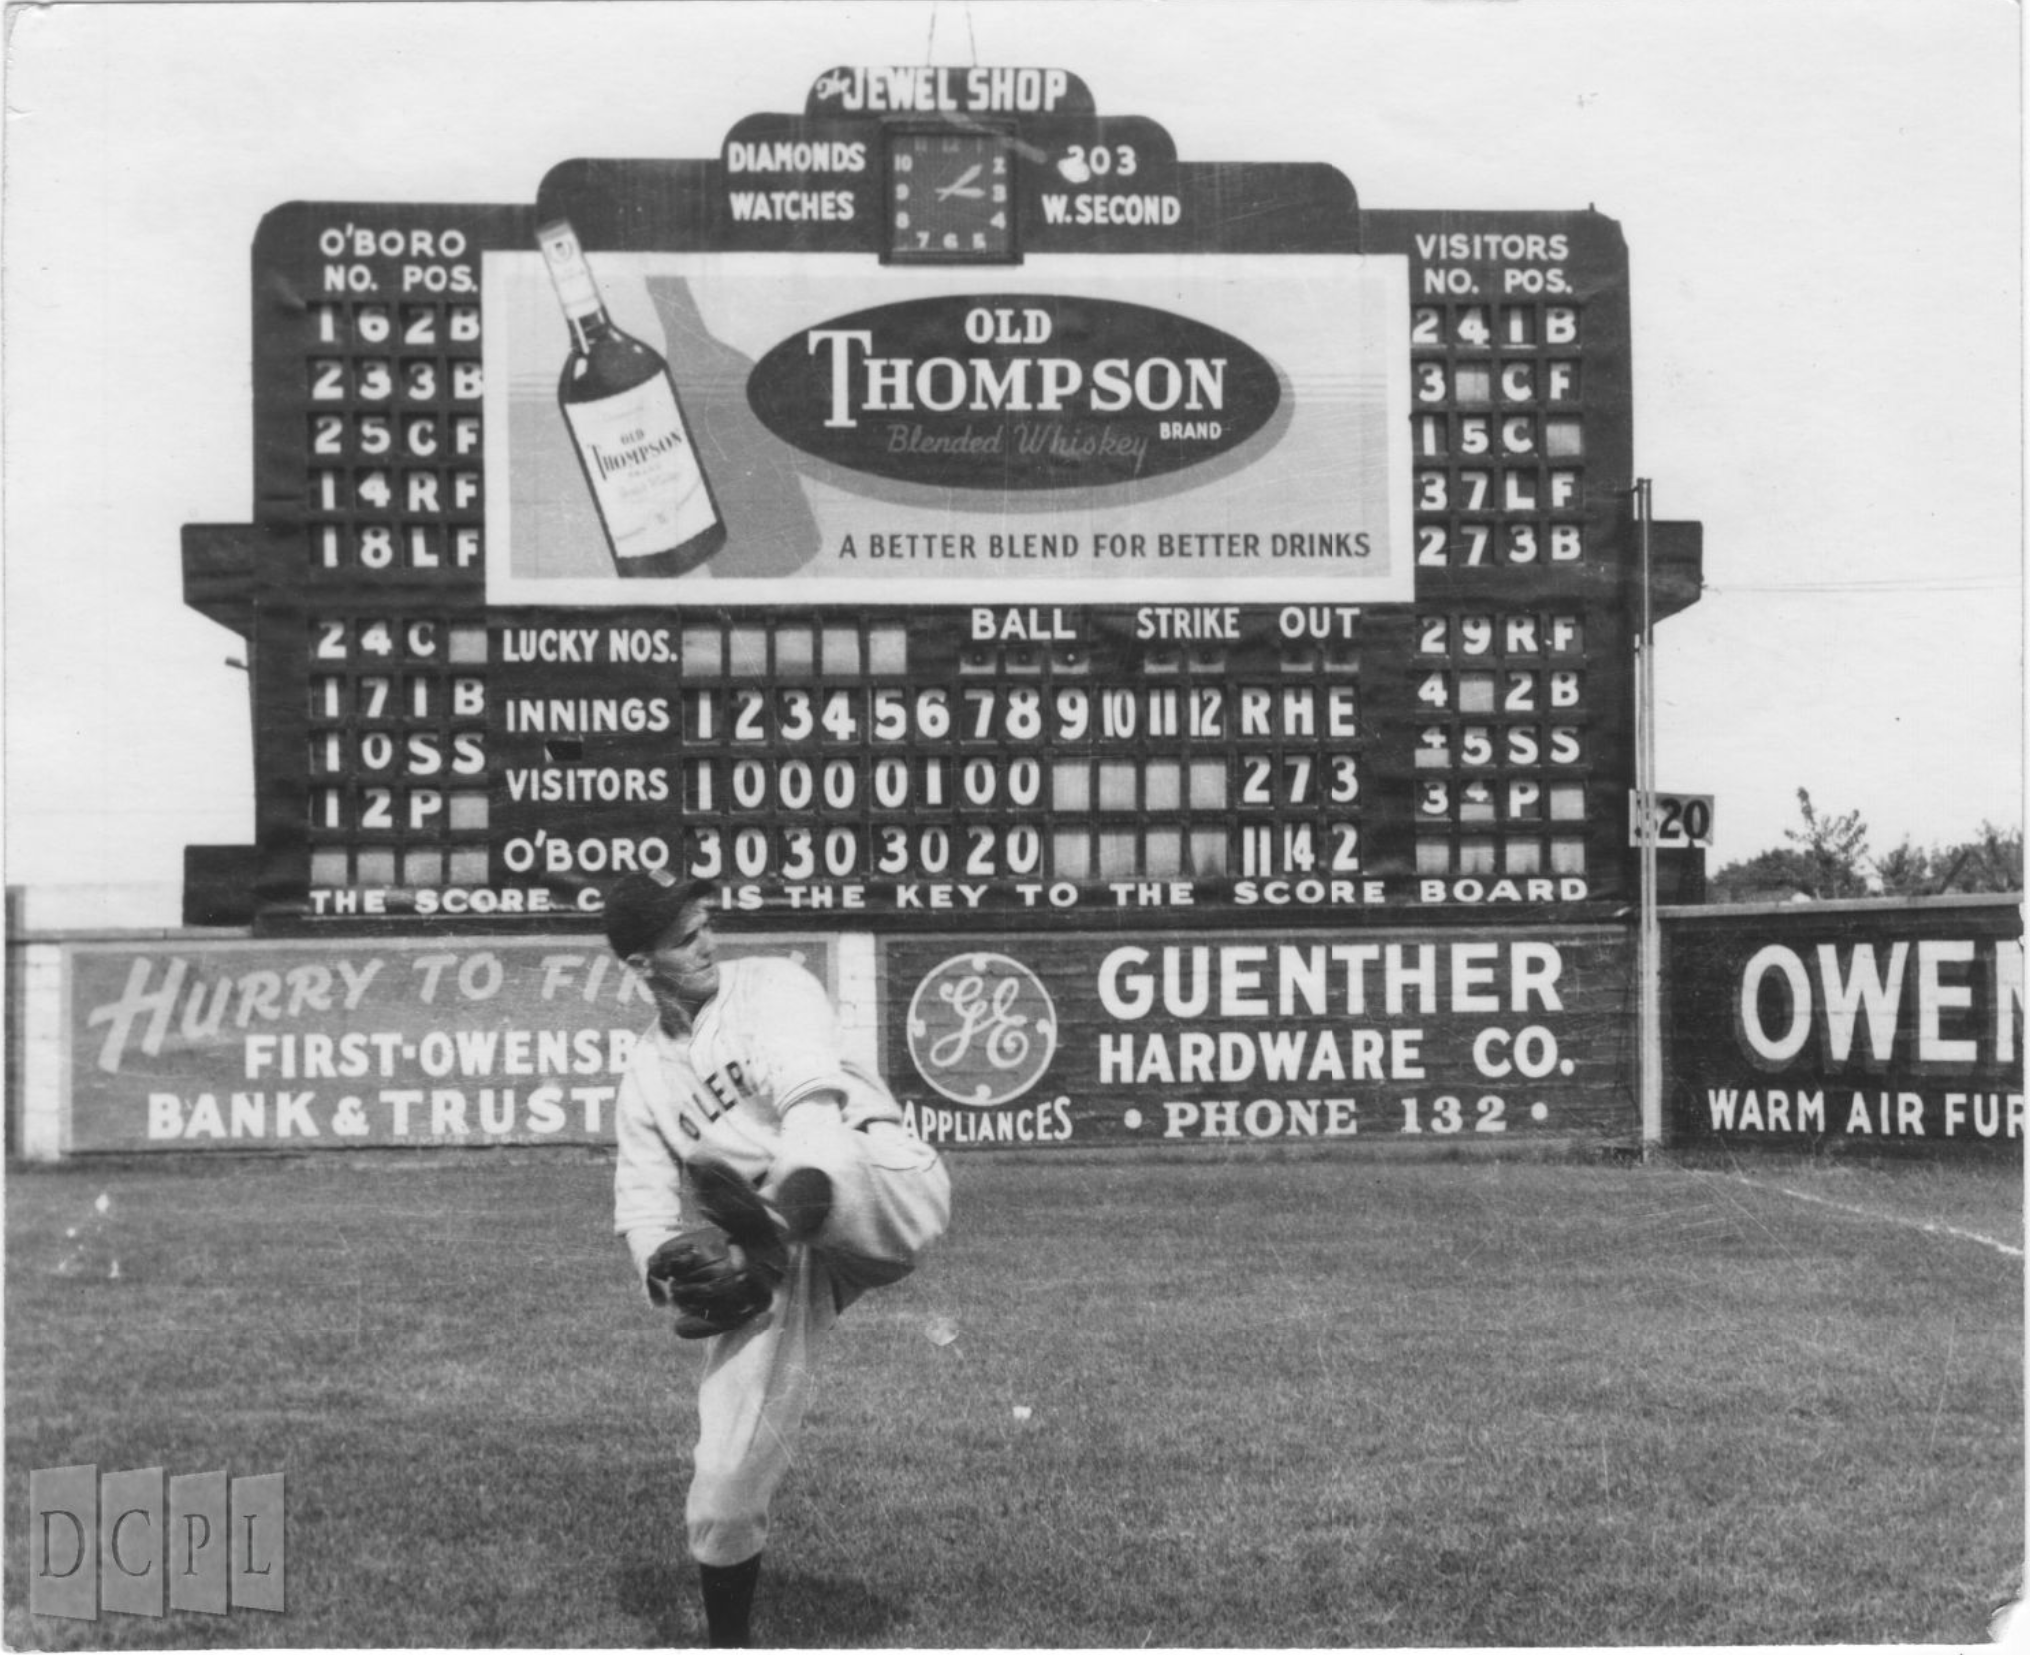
(982, 1029)
(1014, 391)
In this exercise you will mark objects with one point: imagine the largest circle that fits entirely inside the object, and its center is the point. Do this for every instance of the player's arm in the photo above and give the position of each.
(800, 1051)
(798, 1045)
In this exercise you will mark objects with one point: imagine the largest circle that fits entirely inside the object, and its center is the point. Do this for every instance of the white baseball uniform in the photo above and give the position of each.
(767, 1041)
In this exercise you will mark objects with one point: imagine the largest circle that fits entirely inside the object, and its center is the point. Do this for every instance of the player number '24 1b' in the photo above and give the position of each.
(655, 502)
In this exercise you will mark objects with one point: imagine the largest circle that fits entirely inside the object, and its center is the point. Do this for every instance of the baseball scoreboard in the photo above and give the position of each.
(945, 503)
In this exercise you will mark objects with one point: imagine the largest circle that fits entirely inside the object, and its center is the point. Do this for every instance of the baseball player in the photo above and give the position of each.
(764, 1182)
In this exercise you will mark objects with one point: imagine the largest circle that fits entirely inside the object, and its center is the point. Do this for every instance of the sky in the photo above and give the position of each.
(1822, 204)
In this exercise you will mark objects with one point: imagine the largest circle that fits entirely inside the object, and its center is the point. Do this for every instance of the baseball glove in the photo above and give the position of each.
(710, 1281)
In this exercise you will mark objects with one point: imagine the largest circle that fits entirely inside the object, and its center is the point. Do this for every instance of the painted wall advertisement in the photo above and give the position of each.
(1207, 1039)
(1896, 1027)
(329, 1045)
(1885, 1028)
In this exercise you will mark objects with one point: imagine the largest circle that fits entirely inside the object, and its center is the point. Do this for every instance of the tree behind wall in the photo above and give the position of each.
(1834, 852)
(1827, 859)
(1990, 861)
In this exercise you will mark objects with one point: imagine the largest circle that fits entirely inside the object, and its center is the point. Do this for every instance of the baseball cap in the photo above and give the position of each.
(642, 906)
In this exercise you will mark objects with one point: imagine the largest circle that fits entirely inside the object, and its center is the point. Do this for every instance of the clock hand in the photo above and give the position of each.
(961, 185)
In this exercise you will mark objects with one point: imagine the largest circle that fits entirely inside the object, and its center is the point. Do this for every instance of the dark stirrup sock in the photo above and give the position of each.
(729, 1598)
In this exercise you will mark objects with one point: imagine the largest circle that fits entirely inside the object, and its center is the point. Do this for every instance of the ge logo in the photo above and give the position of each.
(982, 1029)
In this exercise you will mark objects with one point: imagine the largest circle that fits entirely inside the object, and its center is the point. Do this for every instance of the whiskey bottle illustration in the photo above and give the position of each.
(627, 424)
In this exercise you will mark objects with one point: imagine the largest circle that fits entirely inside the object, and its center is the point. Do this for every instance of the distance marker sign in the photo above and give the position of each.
(942, 502)
(1671, 818)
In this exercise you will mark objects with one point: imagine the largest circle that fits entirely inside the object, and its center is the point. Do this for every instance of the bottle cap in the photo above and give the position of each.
(568, 270)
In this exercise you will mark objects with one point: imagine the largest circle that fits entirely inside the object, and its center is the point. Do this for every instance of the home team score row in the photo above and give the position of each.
(1352, 634)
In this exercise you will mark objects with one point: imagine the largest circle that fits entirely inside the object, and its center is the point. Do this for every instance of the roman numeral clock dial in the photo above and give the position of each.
(949, 198)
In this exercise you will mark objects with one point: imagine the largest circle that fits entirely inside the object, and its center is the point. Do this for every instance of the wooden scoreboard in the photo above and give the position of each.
(944, 505)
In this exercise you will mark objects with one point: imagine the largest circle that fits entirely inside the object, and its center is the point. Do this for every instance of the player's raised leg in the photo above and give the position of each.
(868, 1197)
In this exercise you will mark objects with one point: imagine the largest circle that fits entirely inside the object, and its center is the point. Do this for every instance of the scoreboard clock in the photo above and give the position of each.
(1291, 573)
(949, 196)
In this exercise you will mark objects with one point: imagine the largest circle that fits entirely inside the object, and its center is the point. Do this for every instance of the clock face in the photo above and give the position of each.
(949, 198)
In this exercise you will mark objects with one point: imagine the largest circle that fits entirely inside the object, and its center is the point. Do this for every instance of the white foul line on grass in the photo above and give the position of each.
(1888, 1218)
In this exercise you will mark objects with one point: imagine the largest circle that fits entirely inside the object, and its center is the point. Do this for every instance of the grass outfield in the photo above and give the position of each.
(1249, 1402)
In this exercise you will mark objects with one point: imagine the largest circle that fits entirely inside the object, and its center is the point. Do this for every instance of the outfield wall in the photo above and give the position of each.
(1869, 1022)
(196, 1041)
(1884, 1023)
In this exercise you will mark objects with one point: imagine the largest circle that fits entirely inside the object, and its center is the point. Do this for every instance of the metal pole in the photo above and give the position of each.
(1650, 947)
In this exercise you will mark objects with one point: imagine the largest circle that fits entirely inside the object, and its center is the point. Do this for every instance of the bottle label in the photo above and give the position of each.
(639, 457)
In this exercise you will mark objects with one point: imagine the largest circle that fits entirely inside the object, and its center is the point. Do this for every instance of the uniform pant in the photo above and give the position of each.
(891, 1198)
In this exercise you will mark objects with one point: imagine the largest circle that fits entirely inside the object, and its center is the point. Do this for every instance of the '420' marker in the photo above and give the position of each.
(654, 500)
